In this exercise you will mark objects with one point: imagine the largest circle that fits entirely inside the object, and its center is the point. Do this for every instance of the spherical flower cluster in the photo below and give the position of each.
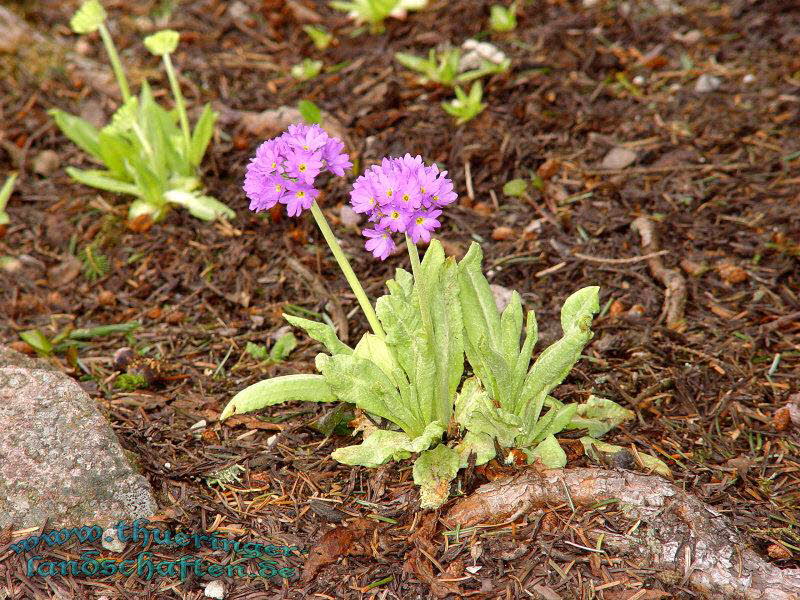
(401, 195)
(284, 168)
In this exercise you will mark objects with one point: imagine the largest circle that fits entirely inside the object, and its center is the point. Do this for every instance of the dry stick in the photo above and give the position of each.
(618, 261)
(673, 281)
(677, 527)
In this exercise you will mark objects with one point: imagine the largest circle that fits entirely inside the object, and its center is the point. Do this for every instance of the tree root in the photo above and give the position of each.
(680, 536)
(673, 281)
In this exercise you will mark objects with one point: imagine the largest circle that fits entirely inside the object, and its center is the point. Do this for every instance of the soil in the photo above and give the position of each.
(717, 172)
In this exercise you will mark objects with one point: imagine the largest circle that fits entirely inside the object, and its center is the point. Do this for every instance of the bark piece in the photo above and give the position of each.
(678, 534)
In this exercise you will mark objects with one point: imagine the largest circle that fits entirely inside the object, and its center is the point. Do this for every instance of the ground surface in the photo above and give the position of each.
(718, 172)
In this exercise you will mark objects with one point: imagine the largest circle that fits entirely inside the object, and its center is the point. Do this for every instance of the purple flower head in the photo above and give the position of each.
(401, 195)
(284, 168)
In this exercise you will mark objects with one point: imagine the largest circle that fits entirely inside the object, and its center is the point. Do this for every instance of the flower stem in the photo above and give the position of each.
(355, 285)
(116, 65)
(180, 105)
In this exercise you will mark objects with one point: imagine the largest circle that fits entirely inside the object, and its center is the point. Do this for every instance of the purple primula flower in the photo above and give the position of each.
(379, 243)
(284, 168)
(401, 195)
(300, 197)
(421, 224)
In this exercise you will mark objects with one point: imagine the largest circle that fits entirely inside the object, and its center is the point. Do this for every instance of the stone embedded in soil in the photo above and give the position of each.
(46, 163)
(707, 83)
(59, 458)
(619, 158)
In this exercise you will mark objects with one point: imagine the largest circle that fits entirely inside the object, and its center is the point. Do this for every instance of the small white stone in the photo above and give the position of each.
(238, 10)
(349, 217)
(749, 78)
(215, 589)
(167, 465)
(675, 87)
(639, 80)
(707, 83)
(199, 425)
(46, 162)
(619, 158)
(474, 569)
(111, 541)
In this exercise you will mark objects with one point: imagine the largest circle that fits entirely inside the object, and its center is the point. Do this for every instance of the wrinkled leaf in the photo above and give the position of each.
(305, 388)
(200, 206)
(103, 180)
(433, 471)
(283, 347)
(599, 415)
(321, 332)
(201, 136)
(382, 446)
(549, 452)
(481, 444)
(475, 412)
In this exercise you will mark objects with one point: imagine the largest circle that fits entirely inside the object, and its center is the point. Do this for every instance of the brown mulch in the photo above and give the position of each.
(717, 174)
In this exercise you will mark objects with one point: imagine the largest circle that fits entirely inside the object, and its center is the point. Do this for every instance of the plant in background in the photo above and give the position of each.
(5, 194)
(319, 36)
(310, 112)
(405, 375)
(375, 12)
(148, 152)
(466, 107)
(446, 68)
(307, 69)
(503, 18)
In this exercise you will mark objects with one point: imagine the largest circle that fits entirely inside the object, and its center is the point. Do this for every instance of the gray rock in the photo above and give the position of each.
(111, 540)
(349, 217)
(59, 458)
(215, 589)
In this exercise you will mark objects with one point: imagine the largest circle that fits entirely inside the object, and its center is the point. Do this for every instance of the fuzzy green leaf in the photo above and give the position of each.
(475, 412)
(82, 133)
(163, 42)
(599, 415)
(361, 382)
(310, 112)
(305, 388)
(549, 452)
(201, 136)
(88, 17)
(515, 188)
(38, 341)
(198, 205)
(321, 332)
(382, 446)
(433, 471)
(5, 194)
(103, 180)
(481, 444)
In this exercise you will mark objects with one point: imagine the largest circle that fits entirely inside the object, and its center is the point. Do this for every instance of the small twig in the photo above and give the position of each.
(661, 170)
(673, 281)
(619, 261)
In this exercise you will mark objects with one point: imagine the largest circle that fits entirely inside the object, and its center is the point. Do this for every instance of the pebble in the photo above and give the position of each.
(502, 296)
(111, 541)
(46, 163)
(619, 158)
(707, 83)
(348, 216)
(749, 78)
(639, 80)
(215, 589)
(238, 10)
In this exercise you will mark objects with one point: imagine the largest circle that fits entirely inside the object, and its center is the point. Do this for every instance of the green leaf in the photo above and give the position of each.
(142, 207)
(257, 351)
(5, 194)
(88, 17)
(549, 452)
(114, 149)
(82, 133)
(433, 471)
(305, 388)
(38, 341)
(515, 188)
(306, 69)
(502, 18)
(201, 136)
(319, 35)
(592, 446)
(555, 421)
(163, 42)
(361, 382)
(481, 319)
(579, 308)
(599, 415)
(382, 446)
(322, 333)
(511, 329)
(523, 359)
(310, 112)
(103, 180)
(481, 444)
(475, 412)
(125, 117)
(198, 205)
(283, 347)
(373, 348)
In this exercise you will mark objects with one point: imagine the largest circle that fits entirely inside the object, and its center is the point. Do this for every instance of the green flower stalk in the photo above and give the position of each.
(163, 44)
(89, 18)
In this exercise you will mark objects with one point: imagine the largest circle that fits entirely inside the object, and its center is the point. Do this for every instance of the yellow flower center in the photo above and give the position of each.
(278, 187)
(389, 193)
(420, 220)
(406, 197)
(302, 167)
(300, 194)
(395, 214)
